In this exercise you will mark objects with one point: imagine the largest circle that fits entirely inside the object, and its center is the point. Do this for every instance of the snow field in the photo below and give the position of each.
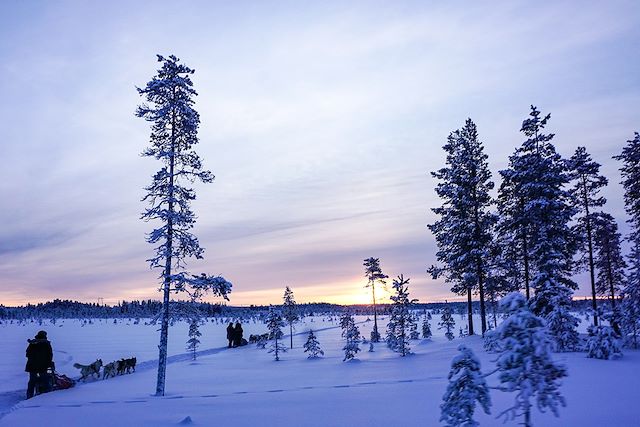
(245, 387)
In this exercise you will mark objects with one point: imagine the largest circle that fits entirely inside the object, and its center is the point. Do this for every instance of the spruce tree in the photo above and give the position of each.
(609, 262)
(374, 275)
(630, 316)
(413, 327)
(504, 275)
(586, 198)
(534, 204)
(446, 322)
(426, 326)
(351, 335)
(467, 387)
(274, 324)
(290, 311)
(401, 317)
(630, 170)
(524, 364)
(391, 338)
(194, 334)
(463, 230)
(603, 343)
(174, 132)
(312, 346)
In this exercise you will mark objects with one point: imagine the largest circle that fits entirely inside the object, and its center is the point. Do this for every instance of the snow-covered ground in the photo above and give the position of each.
(246, 387)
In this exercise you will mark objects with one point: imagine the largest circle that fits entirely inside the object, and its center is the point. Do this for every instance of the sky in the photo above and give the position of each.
(321, 121)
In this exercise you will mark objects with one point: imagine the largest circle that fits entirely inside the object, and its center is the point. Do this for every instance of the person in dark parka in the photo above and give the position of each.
(39, 359)
(237, 335)
(230, 334)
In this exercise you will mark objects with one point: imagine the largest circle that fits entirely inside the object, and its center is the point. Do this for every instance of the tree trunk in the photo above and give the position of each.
(495, 317)
(610, 280)
(527, 417)
(525, 257)
(483, 314)
(291, 334)
(376, 335)
(594, 303)
(470, 311)
(164, 329)
(164, 337)
(477, 233)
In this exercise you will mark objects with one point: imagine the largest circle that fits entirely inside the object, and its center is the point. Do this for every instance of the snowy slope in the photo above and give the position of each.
(245, 387)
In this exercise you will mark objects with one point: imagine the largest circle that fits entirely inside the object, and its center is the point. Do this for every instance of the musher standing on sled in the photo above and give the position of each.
(39, 359)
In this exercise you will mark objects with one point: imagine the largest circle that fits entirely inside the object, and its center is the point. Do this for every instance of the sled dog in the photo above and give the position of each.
(86, 370)
(109, 370)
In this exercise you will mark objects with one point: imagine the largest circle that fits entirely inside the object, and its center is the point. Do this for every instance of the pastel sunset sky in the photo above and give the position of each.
(321, 121)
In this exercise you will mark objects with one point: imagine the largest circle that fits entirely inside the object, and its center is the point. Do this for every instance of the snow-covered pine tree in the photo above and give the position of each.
(290, 311)
(351, 335)
(524, 364)
(630, 170)
(466, 387)
(535, 209)
(491, 341)
(374, 274)
(609, 262)
(630, 316)
(603, 343)
(413, 328)
(194, 334)
(174, 132)
(426, 326)
(390, 337)
(585, 197)
(401, 317)
(274, 324)
(463, 231)
(446, 322)
(504, 274)
(312, 346)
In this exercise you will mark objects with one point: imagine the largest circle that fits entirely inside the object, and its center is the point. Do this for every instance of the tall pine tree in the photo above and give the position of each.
(174, 132)
(586, 198)
(374, 275)
(609, 262)
(630, 170)
(463, 231)
(290, 311)
(535, 212)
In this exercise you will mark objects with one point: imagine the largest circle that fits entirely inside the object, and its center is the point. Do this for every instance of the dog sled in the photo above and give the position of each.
(52, 381)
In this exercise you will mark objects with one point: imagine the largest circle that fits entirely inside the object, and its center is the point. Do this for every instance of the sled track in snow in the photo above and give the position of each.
(236, 393)
(10, 400)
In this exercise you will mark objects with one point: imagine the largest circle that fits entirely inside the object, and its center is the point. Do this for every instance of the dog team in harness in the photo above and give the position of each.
(42, 375)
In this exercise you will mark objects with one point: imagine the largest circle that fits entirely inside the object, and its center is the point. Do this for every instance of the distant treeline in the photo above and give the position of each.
(67, 309)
